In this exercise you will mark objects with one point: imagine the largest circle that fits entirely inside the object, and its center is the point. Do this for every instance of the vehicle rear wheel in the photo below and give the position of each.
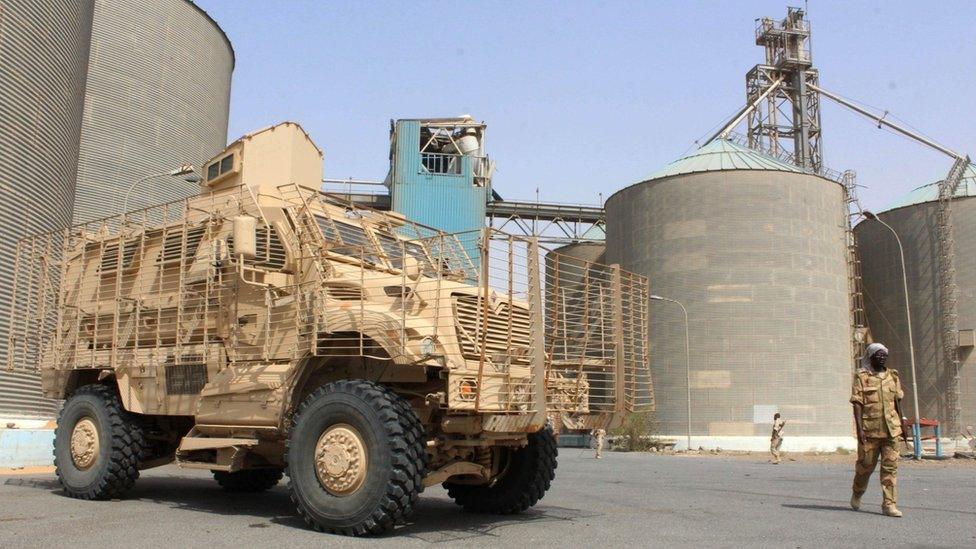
(355, 458)
(526, 477)
(97, 445)
(249, 480)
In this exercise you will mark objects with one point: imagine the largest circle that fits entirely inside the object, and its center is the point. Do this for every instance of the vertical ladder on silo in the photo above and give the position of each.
(859, 321)
(947, 292)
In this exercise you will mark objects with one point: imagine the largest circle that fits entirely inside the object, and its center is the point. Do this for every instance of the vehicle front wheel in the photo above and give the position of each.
(97, 445)
(355, 458)
(525, 478)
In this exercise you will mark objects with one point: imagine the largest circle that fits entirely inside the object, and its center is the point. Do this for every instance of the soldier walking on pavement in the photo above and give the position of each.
(776, 440)
(876, 395)
(599, 435)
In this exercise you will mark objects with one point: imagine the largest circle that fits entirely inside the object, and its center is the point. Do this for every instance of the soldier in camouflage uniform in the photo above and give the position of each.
(776, 439)
(876, 395)
(599, 435)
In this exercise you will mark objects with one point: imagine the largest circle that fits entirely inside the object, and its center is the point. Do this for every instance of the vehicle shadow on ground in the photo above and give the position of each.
(439, 520)
(436, 519)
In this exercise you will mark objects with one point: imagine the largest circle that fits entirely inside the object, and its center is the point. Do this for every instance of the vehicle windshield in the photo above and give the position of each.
(354, 241)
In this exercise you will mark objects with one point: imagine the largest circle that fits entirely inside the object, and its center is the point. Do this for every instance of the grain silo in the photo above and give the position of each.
(44, 59)
(915, 219)
(158, 96)
(755, 249)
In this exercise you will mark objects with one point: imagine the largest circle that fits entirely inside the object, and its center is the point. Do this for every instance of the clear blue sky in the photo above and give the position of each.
(587, 97)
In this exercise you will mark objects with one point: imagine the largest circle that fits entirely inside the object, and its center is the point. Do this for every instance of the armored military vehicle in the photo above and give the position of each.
(263, 328)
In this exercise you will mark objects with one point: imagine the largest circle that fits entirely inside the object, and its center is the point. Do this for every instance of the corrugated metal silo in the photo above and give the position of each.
(755, 249)
(158, 96)
(43, 59)
(915, 219)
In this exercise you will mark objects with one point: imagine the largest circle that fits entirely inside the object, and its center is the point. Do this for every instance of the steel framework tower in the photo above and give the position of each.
(787, 120)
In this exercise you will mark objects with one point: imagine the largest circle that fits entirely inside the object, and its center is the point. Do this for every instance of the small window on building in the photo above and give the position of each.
(219, 168)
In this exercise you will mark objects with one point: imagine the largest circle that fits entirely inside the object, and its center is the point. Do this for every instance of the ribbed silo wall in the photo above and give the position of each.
(759, 260)
(158, 96)
(884, 300)
(43, 62)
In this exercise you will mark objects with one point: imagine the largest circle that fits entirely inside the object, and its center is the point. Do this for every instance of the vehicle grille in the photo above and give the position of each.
(508, 331)
(187, 378)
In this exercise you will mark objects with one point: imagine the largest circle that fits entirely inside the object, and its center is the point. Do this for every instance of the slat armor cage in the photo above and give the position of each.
(167, 298)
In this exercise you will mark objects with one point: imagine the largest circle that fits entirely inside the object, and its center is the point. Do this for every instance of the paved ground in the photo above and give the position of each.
(624, 499)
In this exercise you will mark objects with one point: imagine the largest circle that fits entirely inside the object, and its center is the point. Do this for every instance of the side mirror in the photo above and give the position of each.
(245, 236)
(411, 267)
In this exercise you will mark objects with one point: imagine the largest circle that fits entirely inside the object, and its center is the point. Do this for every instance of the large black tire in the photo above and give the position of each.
(523, 483)
(113, 468)
(249, 480)
(395, 454)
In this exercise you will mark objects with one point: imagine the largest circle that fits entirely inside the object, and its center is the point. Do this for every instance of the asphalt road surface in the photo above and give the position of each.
(621, 500)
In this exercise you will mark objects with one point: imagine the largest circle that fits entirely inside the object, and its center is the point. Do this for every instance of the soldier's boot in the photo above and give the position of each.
(856, 502)
(890, 511)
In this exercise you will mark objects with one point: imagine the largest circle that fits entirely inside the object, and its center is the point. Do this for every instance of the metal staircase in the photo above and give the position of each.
(947, 293)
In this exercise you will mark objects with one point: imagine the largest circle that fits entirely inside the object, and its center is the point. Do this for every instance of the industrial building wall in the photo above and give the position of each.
(158, 96)
(449, 202)
(43, 62)
(885, 303)
(759, 260)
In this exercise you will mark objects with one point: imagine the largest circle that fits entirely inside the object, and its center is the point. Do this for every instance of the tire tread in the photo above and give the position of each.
(127, 448)
(409, 457)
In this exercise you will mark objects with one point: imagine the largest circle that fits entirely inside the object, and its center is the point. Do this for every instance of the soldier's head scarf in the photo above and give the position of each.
(871, 350)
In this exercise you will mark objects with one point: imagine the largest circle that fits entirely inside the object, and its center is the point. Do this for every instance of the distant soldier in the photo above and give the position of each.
(776, 439)
(876, 395)
(599, 435)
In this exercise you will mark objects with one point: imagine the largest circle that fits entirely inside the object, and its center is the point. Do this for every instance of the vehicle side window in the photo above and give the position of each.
(328, 228)
(391, 247)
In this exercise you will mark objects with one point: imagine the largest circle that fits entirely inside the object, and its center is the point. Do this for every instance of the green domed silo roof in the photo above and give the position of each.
(722, 154)
(930, 192)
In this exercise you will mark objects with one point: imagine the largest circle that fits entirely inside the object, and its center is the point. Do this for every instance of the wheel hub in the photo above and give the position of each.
(340, 460)
(84, 443)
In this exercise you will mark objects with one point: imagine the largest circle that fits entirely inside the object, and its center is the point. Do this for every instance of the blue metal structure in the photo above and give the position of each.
(440, 176)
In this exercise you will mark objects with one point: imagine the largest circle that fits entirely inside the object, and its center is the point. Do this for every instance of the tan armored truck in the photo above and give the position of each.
(263, 328)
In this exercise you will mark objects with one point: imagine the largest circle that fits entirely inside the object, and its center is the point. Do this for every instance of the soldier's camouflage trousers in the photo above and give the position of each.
(775, 443)
(867, 459)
